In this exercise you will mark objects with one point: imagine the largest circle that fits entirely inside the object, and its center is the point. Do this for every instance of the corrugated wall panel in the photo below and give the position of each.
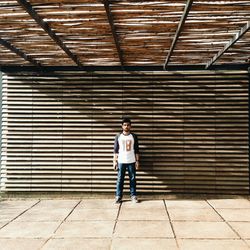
(58, 130)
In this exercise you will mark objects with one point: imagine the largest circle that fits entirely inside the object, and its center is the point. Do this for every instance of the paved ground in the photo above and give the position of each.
(47, 224)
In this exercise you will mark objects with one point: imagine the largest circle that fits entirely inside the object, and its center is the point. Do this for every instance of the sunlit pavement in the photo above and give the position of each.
(100, 224)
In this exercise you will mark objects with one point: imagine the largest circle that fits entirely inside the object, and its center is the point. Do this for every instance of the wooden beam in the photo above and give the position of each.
(236, 37)
(178, 31)
(19, 52)
(28, 7)
(113, 30)
(155, 68)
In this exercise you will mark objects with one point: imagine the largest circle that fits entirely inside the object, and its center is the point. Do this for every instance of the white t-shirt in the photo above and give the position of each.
(126, 152)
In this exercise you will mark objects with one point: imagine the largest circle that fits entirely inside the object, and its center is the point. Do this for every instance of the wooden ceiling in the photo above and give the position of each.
(124, 33)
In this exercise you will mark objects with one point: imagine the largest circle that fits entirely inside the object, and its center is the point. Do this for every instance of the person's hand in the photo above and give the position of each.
(137, 165)
(115, 165)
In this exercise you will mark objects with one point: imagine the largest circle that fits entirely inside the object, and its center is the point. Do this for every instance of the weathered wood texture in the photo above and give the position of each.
(144, 31)
(58, 131)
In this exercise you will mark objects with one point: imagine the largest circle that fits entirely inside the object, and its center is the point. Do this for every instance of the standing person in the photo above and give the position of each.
(126, 157)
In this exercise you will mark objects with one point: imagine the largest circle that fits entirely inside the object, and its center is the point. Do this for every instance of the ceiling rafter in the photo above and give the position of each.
(113, 30)
(28, 7)
(178, 31)
(19, 52)
(236, 37)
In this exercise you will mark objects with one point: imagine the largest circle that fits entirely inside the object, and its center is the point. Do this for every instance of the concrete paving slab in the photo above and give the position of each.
(21, 244)
(197, 214)
(242, 228)
(10, 214)
(10, 210)
(248, 243)
(187, 204)
(52, 204)
(143, 244)
(240, 214)
(229, 203)
(143, 214)
(98, 203)
(187, 244)
(93, 214)
(143, 229)
(28, 229)
(6, 210)
(203, 230)
(144, 204)
(85, 229)
(44, 214)
(2, 223)
(79, 244)
(21, 204)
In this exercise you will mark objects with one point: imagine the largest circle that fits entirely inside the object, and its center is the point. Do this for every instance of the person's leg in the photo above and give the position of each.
(120, 179)
(132, 179)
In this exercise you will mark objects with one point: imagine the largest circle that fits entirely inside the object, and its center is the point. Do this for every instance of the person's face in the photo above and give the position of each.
(126, 126)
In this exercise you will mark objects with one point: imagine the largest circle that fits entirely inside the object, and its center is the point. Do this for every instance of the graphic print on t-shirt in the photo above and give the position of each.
(126, 145)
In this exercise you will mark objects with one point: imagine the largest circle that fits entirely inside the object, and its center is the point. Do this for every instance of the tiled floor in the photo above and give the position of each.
(99, 224)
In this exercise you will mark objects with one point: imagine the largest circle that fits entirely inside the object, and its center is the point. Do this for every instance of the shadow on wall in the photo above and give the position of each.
(192, 129)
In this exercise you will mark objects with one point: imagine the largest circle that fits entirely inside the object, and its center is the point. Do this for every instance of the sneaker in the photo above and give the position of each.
(118, 200)
(134, 199)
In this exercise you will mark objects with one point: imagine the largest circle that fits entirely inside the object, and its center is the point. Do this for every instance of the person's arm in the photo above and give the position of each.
(115, 161)
(136, 149)
(116, 151)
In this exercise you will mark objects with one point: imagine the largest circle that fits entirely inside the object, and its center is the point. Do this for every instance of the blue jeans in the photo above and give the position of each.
(122, 167)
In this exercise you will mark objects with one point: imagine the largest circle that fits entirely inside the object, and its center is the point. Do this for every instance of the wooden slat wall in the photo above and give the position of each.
(58, 130)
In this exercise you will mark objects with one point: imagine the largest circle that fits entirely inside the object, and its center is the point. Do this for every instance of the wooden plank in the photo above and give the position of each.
(19, 52)
(178, 31)
(28, 7)
(113, 30)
